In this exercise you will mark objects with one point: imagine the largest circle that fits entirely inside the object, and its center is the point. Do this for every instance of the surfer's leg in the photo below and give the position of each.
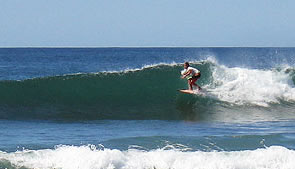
(194, 83)
(190, 86)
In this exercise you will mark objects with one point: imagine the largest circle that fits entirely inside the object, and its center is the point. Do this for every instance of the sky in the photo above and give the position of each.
(140, 23)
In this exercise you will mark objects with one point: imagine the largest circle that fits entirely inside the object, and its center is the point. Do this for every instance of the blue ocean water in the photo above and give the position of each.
(120, 108)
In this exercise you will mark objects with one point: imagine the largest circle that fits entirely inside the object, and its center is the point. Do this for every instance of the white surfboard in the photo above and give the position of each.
(187, 91)
(194, 92)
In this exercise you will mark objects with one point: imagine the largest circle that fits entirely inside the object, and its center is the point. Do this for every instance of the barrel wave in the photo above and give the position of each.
(151, 93)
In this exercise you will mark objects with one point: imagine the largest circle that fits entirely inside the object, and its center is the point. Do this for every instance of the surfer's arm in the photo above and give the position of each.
(186, 74)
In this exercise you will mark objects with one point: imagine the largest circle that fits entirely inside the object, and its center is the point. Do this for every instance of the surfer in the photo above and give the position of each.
(191, 74)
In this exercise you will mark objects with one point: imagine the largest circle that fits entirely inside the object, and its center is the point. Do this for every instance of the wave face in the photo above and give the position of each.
(149, 93)
(72, 157)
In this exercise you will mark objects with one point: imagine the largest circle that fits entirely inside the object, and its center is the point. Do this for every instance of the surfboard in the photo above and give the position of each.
(194, 92)
(187, 91)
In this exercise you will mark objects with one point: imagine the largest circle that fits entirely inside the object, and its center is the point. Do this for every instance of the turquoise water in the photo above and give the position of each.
(120, 108)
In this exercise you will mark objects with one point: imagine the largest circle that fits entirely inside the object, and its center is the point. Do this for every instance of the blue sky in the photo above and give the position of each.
(147, 23)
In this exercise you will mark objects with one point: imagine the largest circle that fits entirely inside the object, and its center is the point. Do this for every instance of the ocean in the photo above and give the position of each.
(120, 108)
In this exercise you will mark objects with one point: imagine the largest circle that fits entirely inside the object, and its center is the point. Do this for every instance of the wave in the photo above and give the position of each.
(147, 93)
(71, 157)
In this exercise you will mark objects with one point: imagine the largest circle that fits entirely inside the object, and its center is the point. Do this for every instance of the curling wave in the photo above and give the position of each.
(147, 93)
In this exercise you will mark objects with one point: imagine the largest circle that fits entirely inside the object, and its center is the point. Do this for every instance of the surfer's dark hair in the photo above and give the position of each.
(186, 63)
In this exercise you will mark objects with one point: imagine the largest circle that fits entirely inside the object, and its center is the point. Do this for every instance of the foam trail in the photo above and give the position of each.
(88, 157)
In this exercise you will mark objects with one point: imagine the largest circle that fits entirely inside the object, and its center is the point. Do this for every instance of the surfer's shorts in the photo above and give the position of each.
(195, 77)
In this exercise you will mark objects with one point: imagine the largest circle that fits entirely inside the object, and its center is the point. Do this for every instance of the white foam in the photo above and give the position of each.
(87, 157)
(251, 86)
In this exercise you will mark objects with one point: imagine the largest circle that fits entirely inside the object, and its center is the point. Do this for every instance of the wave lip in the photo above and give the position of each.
(88, 157)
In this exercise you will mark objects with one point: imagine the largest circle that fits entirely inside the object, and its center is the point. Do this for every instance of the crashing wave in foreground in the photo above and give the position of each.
(88, 157)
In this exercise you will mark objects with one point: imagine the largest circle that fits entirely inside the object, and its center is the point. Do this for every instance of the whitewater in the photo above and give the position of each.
(88, 157)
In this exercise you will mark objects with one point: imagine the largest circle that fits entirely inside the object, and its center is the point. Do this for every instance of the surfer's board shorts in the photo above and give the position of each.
(194, 77)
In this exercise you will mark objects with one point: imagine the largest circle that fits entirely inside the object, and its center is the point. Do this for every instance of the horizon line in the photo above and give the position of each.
(147, 46)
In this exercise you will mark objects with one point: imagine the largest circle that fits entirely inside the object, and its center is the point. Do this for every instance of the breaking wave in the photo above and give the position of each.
(72, 157)
(147, 93)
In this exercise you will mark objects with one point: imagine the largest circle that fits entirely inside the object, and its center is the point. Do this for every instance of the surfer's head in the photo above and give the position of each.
(186, 65)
